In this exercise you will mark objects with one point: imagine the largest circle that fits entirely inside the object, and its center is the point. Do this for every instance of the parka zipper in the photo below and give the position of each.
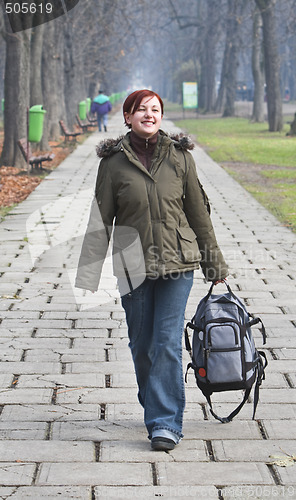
(147, 155)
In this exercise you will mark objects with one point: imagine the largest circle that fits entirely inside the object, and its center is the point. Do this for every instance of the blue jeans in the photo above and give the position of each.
(102, 119)
(155, 318)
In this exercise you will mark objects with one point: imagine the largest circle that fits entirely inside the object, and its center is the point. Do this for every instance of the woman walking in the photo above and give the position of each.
(148, 191)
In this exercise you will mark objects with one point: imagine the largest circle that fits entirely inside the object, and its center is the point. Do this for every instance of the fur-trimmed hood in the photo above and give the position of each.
(109, 147)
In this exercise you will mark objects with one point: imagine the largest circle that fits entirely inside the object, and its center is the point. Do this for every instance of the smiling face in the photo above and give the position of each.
(146, 119)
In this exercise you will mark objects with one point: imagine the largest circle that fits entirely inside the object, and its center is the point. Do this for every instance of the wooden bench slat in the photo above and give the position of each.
(84, 125)
(67, 133)
(28, 155)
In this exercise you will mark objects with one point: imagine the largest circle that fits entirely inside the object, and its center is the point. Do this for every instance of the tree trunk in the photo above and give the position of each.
(74, 88)
(207, 16)
(292, 127)
(211, 74)
(36, 96)
(220, 102)
(257, 69)
(225, 79)
(52, 81)
(16, 94)
(213, 15)
(272, 65)
(235, 11)
(207, 89)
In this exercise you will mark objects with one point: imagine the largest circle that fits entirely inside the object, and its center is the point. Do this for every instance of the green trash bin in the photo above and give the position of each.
(82, 110)
(36, 118)
(88, 104)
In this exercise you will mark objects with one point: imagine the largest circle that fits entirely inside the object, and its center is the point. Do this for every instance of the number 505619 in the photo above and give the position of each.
(28, 8)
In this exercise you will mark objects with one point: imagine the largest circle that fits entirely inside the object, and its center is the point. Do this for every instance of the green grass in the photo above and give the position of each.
(172, 106)
(280, 174)
(280, 202)
(238, 140)
(5, 210)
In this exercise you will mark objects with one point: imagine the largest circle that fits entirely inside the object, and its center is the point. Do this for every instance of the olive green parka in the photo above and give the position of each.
(160, 217)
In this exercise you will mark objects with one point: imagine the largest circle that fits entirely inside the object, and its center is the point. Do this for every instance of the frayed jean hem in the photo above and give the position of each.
(166, 432)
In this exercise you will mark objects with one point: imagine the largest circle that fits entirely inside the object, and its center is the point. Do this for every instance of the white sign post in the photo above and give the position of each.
(190, 95)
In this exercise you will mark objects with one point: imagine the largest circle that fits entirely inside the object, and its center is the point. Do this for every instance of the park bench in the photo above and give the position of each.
(67, 133)
(34, 161)
(91, 119)
(292, 124)
(84, 125)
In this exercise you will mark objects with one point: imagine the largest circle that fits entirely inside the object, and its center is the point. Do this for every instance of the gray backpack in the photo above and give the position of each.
(223, 353)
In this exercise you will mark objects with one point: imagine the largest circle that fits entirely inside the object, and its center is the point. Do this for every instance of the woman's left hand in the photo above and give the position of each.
(219, 281)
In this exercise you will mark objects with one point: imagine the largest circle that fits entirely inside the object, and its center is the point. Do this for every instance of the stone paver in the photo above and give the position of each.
(207, 473)
(83, 473)
(70, 423)
(16, 474)
(46, 492)
(46, 451)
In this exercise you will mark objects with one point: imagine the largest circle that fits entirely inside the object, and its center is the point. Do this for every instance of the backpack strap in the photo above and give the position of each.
(190, 324)
(190, 365)
(225, 420)
(255, 321)
(260, 376)
(211, 290)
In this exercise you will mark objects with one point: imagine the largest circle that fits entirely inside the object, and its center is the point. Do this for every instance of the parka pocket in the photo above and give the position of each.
(188, 247)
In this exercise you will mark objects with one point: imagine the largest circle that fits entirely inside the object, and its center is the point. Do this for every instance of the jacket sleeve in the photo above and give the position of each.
(93, 107)
(97, 236)
(197, 210)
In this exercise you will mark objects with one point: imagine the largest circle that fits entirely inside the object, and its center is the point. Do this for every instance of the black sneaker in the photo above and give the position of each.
(162, 444)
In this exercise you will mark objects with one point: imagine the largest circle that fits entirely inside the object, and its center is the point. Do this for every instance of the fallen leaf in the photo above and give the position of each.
(283, 461)
(17, 184)
(15, 296)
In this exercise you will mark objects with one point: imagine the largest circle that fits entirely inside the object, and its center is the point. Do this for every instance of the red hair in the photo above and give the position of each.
(133, 101)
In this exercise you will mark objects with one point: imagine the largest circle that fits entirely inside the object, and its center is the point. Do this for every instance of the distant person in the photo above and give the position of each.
(149, 198)
(101, 105)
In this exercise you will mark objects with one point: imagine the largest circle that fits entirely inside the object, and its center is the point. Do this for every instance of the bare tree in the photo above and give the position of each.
(52, 76)
(285, 12)
(36, 96)
(197, 21)
(271, 64)
(258, 68)
(16, 92)
(212, 25)
(227, 90)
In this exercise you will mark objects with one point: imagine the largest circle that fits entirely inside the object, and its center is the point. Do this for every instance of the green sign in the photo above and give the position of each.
(190, 95)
